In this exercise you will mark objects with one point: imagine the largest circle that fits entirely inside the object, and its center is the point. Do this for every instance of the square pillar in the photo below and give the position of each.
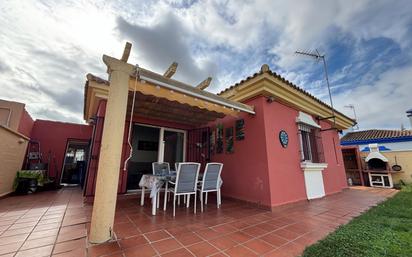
(104, 206)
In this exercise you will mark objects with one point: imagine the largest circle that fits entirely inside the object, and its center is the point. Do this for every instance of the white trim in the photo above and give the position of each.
(195, 94)
(314, 179)
(380, 184)
(376, 155)
(305, 118)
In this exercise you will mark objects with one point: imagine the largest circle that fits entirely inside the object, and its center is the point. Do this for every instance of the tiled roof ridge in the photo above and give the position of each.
(376, 134)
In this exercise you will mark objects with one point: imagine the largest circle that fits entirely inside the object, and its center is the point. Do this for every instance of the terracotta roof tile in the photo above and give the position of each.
(277, 76)
(375, 134)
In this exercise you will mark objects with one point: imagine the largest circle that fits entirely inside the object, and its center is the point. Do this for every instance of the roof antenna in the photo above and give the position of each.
(351, 106)
(317, 56)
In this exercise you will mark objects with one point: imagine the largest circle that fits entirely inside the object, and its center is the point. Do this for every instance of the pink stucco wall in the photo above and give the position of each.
(26, 123)
(285, 174)
(261, 171)
(53, 137)
(245, 173)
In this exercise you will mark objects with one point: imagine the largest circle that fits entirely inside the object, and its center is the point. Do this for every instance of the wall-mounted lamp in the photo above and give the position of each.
(270, 99)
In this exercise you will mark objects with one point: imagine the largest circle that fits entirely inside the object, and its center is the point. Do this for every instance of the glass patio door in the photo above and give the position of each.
(173, 151)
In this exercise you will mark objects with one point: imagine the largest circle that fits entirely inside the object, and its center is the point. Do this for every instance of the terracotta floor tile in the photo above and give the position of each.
(140, 251)
(290, 249)
(166, 245)
(38, 242)
(178, 230)
(259, 246)
(43, 233)
(240, 251)
(225, 228)
(69, 246)
(36, 252)
(13, 239)
(41, 227)
(157, 235)
(126, 231)
(70, 234)
(132, 242)
(274, 239)
(8, 255)
(223, 243)
(254, 231)
(208, 233)
(239, 237)
(289, 235)
(178, 253)
(25, 220)
(218, 255)
(9, 248)
(72, 253)
(48, 221)
(188, 238)
(65, 211)
(13, 232)
(23, 225)
(103, 249)
(202, 249)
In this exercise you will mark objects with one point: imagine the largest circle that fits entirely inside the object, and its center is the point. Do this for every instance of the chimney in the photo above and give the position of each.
(409, 115)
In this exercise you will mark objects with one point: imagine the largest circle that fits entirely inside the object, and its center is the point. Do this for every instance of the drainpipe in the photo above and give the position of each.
(104, 206)
(9, 116)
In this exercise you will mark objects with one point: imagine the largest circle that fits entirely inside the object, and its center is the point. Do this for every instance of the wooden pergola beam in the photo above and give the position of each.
(171, 70)
(205, 83)
(126, 52)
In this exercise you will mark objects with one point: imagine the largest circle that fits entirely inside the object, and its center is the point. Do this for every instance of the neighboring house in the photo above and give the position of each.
(55, 139)
(378, 157)
(15, 128)
(277, 142)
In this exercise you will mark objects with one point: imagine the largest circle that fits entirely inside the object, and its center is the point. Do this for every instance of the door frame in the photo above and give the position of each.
(161, 147)
(74, 141)
(160, 152)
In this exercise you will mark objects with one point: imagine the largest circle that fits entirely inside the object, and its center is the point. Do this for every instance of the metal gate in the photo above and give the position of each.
(198, 146)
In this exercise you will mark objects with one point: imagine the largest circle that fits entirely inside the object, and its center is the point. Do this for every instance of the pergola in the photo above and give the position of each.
(154, 96)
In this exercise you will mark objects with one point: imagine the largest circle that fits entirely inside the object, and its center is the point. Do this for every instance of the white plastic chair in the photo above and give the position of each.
(161, 169)
(187, 176)
(211, 182)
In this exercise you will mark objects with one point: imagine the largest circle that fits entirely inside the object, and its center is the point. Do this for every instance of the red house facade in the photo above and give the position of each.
(285, 150)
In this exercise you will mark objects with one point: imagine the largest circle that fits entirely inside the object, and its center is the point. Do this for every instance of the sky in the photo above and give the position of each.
(48, 47)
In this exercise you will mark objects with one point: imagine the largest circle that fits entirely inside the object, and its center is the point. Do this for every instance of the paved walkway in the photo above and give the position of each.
(55, 223)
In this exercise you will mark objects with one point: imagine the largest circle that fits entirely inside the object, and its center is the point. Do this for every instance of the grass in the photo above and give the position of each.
(384, 230)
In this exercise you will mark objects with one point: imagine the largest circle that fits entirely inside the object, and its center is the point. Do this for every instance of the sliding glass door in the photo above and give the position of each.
(173, 147)
(153, 144)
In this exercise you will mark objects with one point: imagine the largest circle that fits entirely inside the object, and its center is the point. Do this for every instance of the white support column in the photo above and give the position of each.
(161, 145)
(104, 206)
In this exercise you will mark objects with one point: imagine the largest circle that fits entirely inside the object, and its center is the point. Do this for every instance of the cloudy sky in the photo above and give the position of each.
(47, 48)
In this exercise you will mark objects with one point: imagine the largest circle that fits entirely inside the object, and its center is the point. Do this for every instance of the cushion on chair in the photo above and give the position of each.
(186, 182)
(211, 176)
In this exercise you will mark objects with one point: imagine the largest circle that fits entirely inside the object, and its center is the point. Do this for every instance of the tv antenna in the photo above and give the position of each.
(351, 106)
(317, 56)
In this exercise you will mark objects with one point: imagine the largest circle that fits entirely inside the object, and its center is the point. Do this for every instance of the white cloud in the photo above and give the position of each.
(47, 47)
(382, 104)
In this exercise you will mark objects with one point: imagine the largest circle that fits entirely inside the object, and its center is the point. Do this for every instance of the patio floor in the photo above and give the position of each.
(56, 223)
